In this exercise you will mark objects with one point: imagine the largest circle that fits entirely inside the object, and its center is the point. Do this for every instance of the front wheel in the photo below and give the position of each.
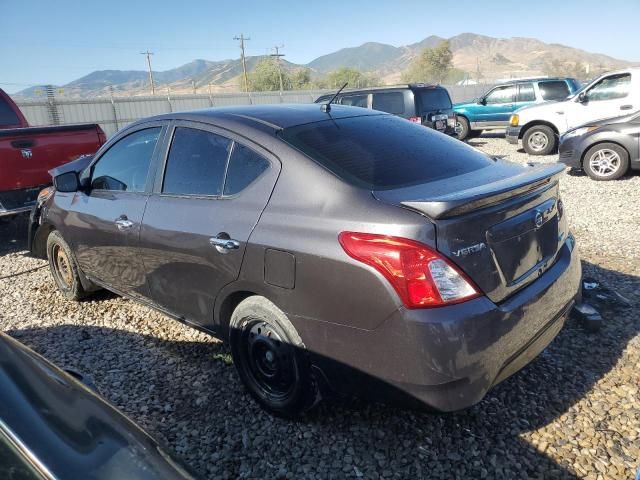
(463, 129)
(64, 268)
(606, 161)
(271, 359)
(540, 140)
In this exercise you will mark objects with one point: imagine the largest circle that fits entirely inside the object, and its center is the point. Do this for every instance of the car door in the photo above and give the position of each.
(499, 103)
(205, 204)
(103, 223)
(610, 97)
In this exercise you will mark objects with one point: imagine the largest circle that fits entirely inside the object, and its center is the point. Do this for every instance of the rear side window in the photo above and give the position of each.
(431, 99)
(7, 115)
(610, 88)
(354, 100)
(526, 92)
(196, 163)
(554, 90)
(382, 152)
(245, 166)
(125, 166)
(390, 102)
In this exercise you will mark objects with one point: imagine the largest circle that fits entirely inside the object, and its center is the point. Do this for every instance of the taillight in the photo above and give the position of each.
(416, 120)
(102, 138)
(420, 275)
(452, 120)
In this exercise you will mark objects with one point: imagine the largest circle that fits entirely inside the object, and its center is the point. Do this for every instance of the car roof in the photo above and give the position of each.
(535, 79)
(277, 116)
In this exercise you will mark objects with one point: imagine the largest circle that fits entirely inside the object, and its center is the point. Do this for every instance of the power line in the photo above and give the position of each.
(277, 56)
(242, 39)
(153, 86)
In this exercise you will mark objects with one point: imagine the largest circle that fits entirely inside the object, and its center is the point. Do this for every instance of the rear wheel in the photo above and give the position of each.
(463, 129)
(539, 140)
(271, 358)
(63, 267)
(606, 161)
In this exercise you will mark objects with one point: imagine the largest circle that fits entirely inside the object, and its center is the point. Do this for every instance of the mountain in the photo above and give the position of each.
(496, 58)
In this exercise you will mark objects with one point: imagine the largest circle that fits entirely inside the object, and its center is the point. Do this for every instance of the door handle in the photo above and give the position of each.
(123, 223)
(626, 107)
(223, 245)
(23, 143)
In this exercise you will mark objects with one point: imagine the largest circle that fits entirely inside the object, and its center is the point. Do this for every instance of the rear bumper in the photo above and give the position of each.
(513, 134)
(13, 202)
(448, 358)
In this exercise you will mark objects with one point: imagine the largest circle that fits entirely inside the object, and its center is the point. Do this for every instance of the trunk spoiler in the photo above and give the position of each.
(458, 202)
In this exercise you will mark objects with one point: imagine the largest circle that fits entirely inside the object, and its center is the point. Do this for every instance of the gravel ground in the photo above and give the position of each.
(573, 413)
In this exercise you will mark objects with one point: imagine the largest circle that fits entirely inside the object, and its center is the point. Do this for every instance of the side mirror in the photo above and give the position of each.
(67, 182)
(482, 101)
(583, 97)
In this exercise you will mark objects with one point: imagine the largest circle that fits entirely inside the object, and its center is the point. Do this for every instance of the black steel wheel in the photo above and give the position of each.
(270, 358)
(63, 267)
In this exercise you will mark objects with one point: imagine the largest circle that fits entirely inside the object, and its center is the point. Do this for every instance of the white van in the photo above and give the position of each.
(610, 95)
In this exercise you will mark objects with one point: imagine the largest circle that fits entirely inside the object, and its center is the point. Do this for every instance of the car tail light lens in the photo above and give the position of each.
(452, 120)
(420, 275)
(415, 120)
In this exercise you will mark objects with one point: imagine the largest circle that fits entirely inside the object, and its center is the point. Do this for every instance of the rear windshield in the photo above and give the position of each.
(430, 99)
(7, 115)
(382, 152)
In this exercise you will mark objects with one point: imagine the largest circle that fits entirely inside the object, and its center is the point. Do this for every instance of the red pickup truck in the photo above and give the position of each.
(28, 153)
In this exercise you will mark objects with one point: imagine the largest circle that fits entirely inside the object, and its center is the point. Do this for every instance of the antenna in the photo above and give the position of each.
(326, 107)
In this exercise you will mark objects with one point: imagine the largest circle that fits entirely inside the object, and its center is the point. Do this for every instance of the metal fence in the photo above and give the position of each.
(114, 113)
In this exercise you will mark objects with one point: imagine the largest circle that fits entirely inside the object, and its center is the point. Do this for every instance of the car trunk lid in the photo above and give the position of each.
(501, 225)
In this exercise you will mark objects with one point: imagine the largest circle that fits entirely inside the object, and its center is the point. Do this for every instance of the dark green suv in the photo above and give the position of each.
(428, 105)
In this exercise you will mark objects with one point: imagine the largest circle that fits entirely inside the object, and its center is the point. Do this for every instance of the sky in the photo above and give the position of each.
(59, 41)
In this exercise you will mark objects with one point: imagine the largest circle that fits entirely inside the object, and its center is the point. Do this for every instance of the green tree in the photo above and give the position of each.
(354, 78)
(301, 79)
(558, 68)
(265, 77)
(432, 65)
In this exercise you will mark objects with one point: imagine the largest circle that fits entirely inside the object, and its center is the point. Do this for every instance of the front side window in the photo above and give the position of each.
(125, 166)
(554, 90)
(392, 102)
(526, 92)
(196, 163)
(501, 95)
(13, 466)
(245, 166)
(610, 88)
(355, 100)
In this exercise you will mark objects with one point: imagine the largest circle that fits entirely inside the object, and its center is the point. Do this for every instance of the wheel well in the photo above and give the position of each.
(227, 307)
(536, 123)
(39, 247)
(584, 154)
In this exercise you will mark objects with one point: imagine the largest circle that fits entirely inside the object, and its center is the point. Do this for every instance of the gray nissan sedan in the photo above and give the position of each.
(337, 249)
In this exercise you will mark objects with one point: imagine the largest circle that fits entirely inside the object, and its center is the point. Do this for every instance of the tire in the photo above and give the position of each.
(540, 140)
(606, 161)
(271, 359)
(64, 269)
(462, 128)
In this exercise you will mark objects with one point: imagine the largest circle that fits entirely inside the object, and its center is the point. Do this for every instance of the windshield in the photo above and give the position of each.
(384, 152)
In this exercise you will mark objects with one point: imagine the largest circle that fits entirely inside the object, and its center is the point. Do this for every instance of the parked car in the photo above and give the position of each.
(334, 250)
(54, 427)
(493, 109)
(608, 96)
(604, 149)
(28, 153)
(428, 105)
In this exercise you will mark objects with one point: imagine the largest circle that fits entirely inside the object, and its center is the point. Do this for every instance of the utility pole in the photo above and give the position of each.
(277, 56)
(193, 84)
(153, 86)
(243, 39)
